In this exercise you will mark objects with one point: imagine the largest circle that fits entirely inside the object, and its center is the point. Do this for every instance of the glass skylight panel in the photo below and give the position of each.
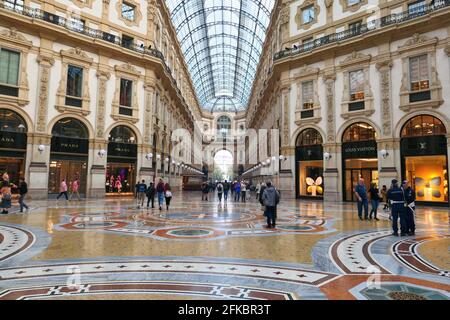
(221, 58)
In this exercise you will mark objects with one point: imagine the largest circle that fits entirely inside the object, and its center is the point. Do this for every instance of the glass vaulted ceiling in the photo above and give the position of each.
(222, 41)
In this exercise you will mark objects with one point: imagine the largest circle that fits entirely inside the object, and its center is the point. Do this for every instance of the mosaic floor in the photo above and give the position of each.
(110, 249)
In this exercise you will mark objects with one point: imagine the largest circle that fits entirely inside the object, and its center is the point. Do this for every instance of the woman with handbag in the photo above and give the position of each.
(167, 195)
(5, 192)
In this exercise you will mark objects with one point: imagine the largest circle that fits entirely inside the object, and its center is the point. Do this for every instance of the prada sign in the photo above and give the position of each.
(359, 149)
(69, 145)
(13, 140)
(127, 150)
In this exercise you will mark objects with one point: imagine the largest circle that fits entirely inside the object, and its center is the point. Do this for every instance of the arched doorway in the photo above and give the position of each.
(121, 162)
(68, 154)
(223, 165)
(359, 157)
(423, 150)
(309, 164)
(13, 145)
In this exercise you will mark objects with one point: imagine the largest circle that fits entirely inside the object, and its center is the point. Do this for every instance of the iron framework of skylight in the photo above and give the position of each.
(222, 42)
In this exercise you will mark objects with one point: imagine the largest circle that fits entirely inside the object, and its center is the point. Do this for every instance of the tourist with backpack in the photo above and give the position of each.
(141, 189)
(271, 198)
(151, 195)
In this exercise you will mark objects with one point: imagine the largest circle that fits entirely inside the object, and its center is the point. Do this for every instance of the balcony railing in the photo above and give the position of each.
(370, 26)
(74, 26)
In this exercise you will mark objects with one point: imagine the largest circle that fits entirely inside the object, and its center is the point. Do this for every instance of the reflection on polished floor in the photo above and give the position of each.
(109, 249)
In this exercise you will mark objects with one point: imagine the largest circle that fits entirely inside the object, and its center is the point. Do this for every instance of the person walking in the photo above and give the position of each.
(63, 190)
(226, 189)
(220, 191)
(141, 190)
(75, 185)
(151, 195)
(410, 209)
(167, 194)
(243, 191)
(397, 197)
(384, 196)
(5, 193)
(232, 184)
(374, 201)
(160, 192)
(271, 198)
(205, 191)
(23, 190)
(361, 197)
(257, 189)
(237, 191)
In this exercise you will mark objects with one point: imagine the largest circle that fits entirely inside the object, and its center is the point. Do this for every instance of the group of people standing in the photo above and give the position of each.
(240, 190)
(163, 191)
(6, 194)
(399, 198)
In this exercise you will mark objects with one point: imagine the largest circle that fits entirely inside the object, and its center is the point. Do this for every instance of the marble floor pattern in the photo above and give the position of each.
(111, 249)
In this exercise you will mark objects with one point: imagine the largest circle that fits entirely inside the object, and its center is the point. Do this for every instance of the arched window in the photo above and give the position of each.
(11, 122)
(70, 128)
(360, 131)
(309, 137)
(122, 134)
(423, 125)
(223, 124)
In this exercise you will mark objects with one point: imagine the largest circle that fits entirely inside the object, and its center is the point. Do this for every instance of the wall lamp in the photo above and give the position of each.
(327, 156)
(101, 153)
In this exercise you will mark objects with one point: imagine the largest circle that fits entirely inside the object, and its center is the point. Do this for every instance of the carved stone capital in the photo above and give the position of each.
(101, 74)
(384, 64)
(46, 61)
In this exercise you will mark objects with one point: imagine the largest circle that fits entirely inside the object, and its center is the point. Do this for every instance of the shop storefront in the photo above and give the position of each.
(68, 155)
(121, 164)
(359, 158)
(309, 165)
(423, 150)
(13, 145)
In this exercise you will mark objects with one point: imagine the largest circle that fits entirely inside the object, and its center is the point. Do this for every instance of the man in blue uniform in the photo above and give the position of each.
(397, 197)
(410, 210)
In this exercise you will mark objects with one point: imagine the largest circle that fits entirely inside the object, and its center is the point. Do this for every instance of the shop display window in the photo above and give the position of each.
(429, 177)
(311, 178)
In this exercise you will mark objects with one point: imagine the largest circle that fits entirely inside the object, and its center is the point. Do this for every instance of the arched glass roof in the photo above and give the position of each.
(222, 42)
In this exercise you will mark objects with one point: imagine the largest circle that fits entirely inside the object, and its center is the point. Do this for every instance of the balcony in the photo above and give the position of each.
(373, 25)
(38, 14)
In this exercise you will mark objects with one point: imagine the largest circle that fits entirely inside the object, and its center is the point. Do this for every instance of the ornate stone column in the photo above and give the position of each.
(40, 148)
(331, 172)
(98, 147)
(387, 163)
(145, 171)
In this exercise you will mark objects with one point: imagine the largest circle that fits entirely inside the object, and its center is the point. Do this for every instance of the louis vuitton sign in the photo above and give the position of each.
(359, 149)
